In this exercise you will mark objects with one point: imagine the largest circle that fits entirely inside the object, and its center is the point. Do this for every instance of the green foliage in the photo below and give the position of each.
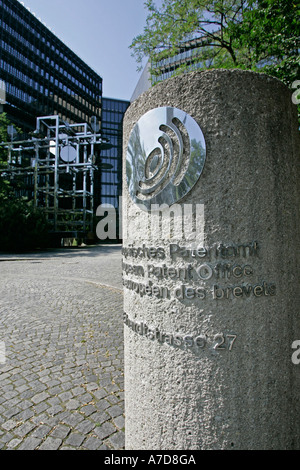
(4, 123)
(22, 227)
(177, 21)
(270, 31)
(4, 184)
(4, 137)
(258, 35)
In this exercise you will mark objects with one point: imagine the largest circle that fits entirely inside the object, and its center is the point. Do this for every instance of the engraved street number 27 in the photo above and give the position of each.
(224, 341)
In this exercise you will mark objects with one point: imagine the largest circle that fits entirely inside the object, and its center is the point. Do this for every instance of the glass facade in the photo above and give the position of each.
(189, 55)
(167, 68)
(42, 75)
(112, 129)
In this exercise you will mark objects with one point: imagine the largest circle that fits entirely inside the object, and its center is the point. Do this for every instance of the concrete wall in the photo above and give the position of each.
(208, 344)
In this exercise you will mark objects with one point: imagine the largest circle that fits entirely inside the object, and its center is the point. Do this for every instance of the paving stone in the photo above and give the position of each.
(77, 391)
(91, 387)
(92, 443)
(60, 326)
(51, 443)
(115, 411)
(100, 417)
(40, 397)
(73, 419)
(65, 396)
(74, 439)
(54, 401)
(41, 431)
(11, 412)
(9, 395)
(119, 421)
(41, 407)
(117, 440)
(30, 443)
(60, 431)
(103, 405)
(6, 438)
(87, 410)
(13, 443)
(72, 405)
(85, 426)
(99, 394)
(25, 404)
(9, 425)
(54, 410)
(24, 429)
(113, 399)
(85, 399)
(103, 447)
(105, 430)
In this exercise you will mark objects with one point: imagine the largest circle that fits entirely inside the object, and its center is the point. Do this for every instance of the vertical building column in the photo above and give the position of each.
(211, 285)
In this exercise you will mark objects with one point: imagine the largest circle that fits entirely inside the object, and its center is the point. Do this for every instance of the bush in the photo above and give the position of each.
(22, 227)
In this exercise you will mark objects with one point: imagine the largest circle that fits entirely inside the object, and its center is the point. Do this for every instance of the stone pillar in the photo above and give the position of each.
(212, 307)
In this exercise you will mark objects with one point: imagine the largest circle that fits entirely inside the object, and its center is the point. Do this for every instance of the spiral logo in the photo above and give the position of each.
(165, 157)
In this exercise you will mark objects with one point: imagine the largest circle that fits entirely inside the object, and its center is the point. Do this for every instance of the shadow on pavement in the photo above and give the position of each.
(82, 251)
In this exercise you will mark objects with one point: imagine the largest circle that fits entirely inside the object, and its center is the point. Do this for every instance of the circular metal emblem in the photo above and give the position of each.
(165, 157)
(68, 154)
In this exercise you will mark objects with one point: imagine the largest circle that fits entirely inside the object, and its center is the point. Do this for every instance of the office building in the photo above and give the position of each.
(42, 75)
(112, 129)
(189, 55)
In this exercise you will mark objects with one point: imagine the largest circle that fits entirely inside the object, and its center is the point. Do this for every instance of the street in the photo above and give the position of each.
(61, 380)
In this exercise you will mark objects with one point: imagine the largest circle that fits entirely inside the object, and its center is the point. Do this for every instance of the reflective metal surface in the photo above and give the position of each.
(68, 153)
(165, 157)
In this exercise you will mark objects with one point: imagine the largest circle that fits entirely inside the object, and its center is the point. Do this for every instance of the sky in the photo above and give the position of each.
(100, 33)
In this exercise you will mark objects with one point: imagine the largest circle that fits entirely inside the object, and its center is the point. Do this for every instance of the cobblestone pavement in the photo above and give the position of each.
(61, 386)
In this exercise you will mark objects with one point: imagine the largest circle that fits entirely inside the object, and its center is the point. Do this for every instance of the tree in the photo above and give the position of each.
(169, 27)
(22, 226)
(270, 30)
(259, 35)
(5, 186)
(4, 183)
(4, 123)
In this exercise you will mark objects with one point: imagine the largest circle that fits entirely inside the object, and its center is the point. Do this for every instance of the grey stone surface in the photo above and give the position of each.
(213, 394)
(61, 321)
